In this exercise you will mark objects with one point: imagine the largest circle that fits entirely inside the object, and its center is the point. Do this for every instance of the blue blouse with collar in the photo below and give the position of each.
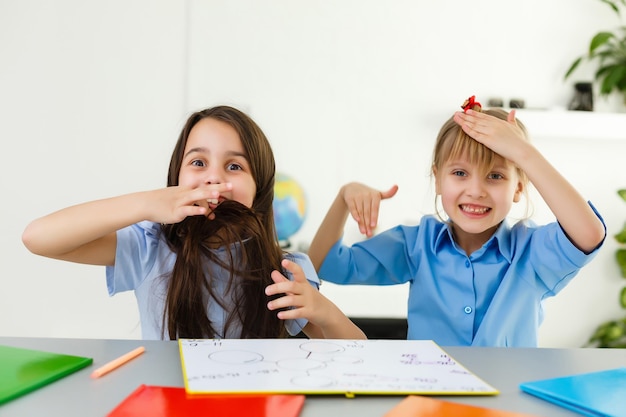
(490, 298)
(143, 263)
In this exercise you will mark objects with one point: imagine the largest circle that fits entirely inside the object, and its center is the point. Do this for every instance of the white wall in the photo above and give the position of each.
(93, 96)
(91, 100)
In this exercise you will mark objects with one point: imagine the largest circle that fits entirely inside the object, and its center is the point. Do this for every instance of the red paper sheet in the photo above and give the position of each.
(155, 401)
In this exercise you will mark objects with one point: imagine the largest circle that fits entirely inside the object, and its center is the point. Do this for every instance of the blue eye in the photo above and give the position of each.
(234, 167)
(197, 163)
(459, 174)
(495, 176)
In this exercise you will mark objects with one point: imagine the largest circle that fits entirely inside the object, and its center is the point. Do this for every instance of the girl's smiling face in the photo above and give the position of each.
(477, 200)
(214, 154)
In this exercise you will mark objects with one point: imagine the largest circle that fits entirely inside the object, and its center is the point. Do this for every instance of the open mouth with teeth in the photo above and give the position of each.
(214, 202)
(471, 209)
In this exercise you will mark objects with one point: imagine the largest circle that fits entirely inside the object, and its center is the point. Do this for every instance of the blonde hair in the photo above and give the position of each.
(452, 143)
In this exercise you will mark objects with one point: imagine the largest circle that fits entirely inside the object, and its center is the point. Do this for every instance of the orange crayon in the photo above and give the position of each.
(116, 363)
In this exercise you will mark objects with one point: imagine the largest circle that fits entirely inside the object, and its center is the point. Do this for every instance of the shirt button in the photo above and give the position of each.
(467, 263)
(467, 309)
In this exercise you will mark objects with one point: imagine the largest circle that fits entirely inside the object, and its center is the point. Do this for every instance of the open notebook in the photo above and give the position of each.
(324, 366)
(25, 370)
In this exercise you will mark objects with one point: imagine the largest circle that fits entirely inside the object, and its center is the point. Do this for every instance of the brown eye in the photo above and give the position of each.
(197, 163)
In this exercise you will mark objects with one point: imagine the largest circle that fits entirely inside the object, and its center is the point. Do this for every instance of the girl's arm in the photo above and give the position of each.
(358, 200)
(326, 321)
(85, 233)
(574, 214)
(580, 223)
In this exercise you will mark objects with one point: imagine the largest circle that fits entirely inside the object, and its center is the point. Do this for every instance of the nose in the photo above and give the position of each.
(213, 176)
(475, 188)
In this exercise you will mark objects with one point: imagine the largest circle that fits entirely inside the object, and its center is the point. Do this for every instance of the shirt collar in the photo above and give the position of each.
(501, 238)
(443, 238)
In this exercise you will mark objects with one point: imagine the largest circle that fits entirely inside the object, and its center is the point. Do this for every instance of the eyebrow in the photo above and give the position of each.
(206, 150)
(194, 150)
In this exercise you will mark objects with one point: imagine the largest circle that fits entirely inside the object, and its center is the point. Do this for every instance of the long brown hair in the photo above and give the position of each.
(248, 236)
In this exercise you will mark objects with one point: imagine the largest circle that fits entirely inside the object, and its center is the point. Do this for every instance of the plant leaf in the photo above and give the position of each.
(600, 39)
(620, 256)
(622, 298)
(612, 5)
(622, 193)
(621, 86)
(600, 331)
(573, 67)
(606, 86)
(612, 75)
(614, 332)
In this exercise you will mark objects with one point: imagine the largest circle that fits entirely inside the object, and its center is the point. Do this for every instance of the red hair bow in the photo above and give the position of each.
(471, 103)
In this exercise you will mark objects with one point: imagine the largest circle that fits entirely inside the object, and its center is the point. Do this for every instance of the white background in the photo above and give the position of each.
(93, 95)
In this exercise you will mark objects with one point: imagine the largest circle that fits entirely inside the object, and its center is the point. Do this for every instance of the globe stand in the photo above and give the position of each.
(285, 244)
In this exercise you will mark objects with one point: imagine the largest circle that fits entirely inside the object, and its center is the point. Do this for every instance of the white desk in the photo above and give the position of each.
(504, 368)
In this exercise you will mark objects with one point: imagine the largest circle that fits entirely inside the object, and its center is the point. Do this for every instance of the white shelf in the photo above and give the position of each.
(564, 124)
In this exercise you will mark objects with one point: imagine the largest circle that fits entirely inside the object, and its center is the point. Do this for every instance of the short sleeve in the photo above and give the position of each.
(135, 256)
(555, 258)
(295, 326)
(307, 267)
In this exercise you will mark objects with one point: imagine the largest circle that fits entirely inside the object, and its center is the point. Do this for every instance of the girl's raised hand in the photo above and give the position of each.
(173, 204)
(504, 137)
(363, 203)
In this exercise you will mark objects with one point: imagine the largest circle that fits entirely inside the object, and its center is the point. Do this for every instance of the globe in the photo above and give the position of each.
(290, 207)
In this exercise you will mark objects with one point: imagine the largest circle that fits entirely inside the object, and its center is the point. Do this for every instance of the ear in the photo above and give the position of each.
(437, 186)
(518, 192)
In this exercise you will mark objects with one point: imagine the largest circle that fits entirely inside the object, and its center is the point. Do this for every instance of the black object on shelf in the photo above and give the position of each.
(583, 97)
(495, 102)
(516, 103)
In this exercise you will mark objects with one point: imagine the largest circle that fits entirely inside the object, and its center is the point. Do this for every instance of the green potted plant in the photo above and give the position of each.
(608, 49)
(612, 333)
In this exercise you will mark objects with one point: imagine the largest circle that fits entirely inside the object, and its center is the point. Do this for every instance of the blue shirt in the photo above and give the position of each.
(143, 262)
(489, 298)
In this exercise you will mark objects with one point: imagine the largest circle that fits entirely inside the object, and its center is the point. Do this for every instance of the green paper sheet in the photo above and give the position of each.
(25, 370)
